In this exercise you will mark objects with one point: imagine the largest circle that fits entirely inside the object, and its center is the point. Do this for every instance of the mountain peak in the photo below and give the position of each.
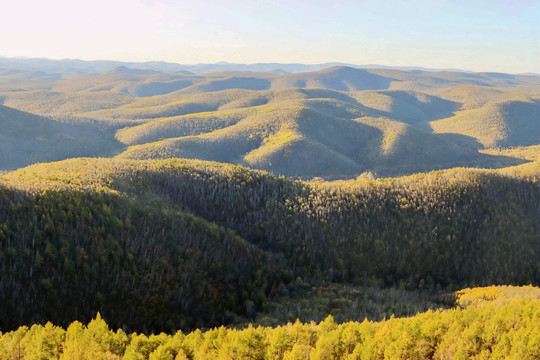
(124, 70)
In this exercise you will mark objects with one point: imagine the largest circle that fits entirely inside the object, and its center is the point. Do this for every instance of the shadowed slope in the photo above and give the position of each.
(148, 264)
(26, 138)
(407, 106)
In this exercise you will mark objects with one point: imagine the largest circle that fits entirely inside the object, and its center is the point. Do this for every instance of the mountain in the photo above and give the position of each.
(100, 66)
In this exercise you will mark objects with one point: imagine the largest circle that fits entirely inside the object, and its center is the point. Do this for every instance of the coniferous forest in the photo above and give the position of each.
(492, 322)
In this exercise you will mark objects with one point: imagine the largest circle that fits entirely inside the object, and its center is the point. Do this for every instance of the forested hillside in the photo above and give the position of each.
(161, 245)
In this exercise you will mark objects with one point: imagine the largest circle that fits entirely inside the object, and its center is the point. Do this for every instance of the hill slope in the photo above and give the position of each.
(26, 139)
(497, 124)
(304, 137)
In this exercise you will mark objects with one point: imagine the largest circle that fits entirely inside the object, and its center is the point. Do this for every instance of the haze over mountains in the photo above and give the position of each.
(338, 122)
(99, 66)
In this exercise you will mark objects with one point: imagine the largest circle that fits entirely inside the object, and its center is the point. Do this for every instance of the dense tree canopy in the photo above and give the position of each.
(185, 243)
(500, 323)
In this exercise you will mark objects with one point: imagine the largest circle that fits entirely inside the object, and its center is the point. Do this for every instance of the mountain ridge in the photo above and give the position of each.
(98, 66)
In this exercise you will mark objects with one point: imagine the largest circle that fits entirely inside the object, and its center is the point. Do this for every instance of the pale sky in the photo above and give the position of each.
(478, 35)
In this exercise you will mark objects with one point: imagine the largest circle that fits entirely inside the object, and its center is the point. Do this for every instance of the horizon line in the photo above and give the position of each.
(225, 62)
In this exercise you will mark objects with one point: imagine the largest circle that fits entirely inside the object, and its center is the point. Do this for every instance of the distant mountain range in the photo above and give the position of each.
(75, 66)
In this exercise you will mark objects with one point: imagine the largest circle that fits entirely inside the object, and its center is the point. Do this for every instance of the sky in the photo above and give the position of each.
(477, 35)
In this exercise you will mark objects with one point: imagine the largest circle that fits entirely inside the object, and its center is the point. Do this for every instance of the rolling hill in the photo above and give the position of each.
(154, 195)
(338, 122)
(144, 82)
(293, 139)
(387, 132)
(507, 123)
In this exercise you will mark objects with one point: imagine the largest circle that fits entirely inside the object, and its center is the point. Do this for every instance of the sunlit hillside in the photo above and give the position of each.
(295, 139)
(514, 122)
(497, 323)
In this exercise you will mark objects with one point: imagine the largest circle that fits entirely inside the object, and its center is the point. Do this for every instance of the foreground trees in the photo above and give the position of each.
(499, 323)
